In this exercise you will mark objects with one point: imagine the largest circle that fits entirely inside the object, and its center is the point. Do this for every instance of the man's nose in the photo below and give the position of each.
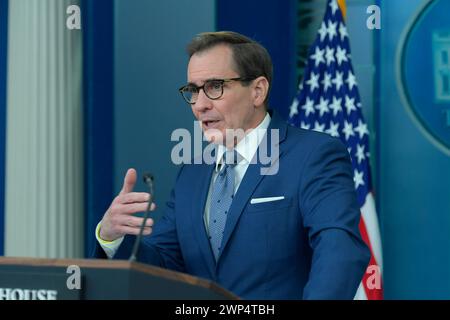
(203, 102)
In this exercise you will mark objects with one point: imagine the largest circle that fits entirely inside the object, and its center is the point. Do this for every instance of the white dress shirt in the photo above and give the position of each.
(246, 148)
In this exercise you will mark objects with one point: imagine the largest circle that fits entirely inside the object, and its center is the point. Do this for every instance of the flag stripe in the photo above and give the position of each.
(371, 293)
(361, 293)
(371, 222)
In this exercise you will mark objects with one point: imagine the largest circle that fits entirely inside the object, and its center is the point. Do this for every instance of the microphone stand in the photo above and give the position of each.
(148, 180)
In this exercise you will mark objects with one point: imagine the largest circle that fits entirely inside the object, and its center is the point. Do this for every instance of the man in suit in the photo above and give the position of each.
(290, 232)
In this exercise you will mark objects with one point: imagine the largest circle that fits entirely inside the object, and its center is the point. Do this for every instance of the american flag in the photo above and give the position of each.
(328, 101)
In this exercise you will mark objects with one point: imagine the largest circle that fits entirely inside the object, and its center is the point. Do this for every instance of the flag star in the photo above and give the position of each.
(350, 104)
(341, 55)
(323, 106)
(336, 106)
(308, 106)
(323, 31)
(361, 129)
(318, 56)
(331, 30)
(338, 81)
(304, 125)
(333, 6)
(333, 130)
(319, 127)
(313, 82)
(360, 153)
(294, 108)
(348, 129)
(326, 81)
(343, 31)
(351, 80)
(329, 55)
(358, 178)
(328, 99)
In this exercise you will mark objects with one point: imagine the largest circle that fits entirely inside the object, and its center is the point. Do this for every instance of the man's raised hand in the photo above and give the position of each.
(119, 219)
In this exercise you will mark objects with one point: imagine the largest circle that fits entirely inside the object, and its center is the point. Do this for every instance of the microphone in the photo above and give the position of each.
(148, 180)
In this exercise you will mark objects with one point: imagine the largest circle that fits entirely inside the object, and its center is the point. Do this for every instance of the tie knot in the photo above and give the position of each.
(231, 158)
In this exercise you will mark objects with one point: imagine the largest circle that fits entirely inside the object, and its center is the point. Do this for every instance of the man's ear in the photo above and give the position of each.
(260, 90)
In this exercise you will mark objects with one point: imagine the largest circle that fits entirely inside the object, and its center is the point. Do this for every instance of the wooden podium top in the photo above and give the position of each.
(119, 264)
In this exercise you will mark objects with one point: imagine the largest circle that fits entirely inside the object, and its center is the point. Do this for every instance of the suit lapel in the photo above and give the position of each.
(249, 183)
(198, 210)
(251, 180)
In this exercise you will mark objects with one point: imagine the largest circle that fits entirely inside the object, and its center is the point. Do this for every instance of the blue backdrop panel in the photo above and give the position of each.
(150, 60)
(3, 64)
(414, 173)
(98, 78)
(273, 24)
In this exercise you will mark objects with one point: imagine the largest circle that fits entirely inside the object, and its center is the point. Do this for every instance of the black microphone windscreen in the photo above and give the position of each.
(148, 177)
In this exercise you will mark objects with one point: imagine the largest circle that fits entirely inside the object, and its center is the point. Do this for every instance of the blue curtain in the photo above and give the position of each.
(98, 81)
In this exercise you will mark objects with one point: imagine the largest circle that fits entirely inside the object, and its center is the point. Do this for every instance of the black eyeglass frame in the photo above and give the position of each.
(221, 81)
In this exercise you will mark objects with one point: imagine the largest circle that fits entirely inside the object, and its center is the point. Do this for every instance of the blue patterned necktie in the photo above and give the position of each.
(221, 198)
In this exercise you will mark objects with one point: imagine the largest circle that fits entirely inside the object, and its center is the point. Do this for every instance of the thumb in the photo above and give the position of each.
(129, 181)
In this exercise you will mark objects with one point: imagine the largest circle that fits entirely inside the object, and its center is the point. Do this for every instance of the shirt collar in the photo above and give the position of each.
(248, 145)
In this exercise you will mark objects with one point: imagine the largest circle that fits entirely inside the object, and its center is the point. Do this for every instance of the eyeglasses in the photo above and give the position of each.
(213, 89)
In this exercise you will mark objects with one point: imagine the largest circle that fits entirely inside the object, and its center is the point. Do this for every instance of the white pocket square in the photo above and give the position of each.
(268, 199)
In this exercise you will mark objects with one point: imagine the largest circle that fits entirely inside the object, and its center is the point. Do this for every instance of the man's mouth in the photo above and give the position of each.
(209, 124)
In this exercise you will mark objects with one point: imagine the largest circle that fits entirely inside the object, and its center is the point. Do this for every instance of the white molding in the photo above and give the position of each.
(44, 144)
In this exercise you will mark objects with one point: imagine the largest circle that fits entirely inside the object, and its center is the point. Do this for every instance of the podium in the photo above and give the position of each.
(92, 279)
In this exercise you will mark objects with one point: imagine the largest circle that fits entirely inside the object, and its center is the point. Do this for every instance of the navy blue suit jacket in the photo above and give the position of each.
(306, 246)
